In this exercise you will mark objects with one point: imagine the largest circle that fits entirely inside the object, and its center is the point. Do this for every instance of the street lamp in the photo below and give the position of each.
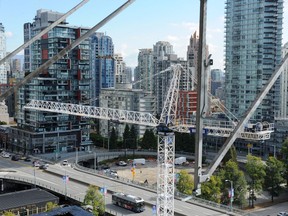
(231, 193)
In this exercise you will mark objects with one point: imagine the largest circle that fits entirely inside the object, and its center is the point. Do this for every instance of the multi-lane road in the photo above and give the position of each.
(78, 183)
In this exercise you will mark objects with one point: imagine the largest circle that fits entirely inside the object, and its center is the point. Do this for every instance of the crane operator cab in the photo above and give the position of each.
(163, 128)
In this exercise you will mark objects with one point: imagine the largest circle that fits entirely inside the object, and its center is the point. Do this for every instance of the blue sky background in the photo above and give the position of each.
(139, 26)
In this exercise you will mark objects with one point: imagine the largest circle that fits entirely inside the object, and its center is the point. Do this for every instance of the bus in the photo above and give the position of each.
(130, 202)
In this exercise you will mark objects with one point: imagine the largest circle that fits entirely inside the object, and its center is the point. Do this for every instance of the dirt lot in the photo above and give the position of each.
(147, 171)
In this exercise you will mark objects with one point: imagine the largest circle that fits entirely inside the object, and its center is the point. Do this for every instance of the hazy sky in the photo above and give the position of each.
(139, 26)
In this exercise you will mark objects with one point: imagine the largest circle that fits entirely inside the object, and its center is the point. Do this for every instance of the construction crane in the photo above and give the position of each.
(166, 126)
(168, 121)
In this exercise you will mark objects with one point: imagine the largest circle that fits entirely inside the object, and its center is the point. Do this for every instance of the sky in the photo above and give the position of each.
(141, 25)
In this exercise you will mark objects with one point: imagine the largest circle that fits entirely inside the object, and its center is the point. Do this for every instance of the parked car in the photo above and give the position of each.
(64, 162)
(36, 163)
(282, 214)
(15, 158)
(5, 154)
(43, 166)
(121, 163)
(27, 159)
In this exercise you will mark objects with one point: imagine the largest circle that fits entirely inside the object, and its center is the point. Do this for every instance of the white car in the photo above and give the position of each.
(64, 162)
(282, 214)
(5, 155)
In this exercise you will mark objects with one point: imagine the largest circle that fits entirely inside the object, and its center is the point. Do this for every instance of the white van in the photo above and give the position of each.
(139, 161)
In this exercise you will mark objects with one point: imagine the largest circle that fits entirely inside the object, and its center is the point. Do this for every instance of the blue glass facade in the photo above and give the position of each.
(102, 64)
(252, 52)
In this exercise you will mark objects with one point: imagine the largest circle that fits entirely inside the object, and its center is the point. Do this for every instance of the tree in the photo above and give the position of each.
(275, 169)
(232, 173)
(97, 139)
(50, 206)
(255, 169)
(8, 214)
(185, 183)
(149, 140)
(284, 152)
(184, 142)
(94, 198)
(231, 155)
(126, 136)
(133, 137)
(211, 190)
(113, 139)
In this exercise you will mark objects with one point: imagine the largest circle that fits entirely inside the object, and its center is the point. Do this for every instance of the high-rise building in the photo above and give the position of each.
(252, 52)
(102, 64)
(3, 67)
(123, 74)
(125, 98)
(143, 76)
(192, 61)
(217, 80)
(67, 80)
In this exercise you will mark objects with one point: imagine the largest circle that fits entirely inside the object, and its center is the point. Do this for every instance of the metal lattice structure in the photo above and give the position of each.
(165, 178)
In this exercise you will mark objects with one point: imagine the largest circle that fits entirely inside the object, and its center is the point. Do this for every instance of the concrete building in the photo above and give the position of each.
(123, 74)
(67, 80)
(125, 98)
(4, 115)
(252, 52)
(3, 67)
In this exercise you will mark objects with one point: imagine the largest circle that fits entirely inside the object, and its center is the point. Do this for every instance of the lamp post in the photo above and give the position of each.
(231, 193)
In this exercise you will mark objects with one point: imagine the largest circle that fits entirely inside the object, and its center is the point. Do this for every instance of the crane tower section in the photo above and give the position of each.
(165, 180)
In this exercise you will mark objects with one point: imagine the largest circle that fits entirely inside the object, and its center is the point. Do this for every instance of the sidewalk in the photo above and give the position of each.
(264, 200)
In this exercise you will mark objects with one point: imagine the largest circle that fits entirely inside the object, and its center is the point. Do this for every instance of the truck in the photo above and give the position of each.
(180, 160)
(139, 161)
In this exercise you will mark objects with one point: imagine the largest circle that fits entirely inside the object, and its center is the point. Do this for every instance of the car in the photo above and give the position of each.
(27, 159)
(15, 158)
(36, 163)
(282, 214)
(121, 163)
(43, 166)
(5, 155)
(64, 162)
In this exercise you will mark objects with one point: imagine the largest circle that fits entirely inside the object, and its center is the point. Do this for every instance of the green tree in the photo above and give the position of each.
(94, 198)
(113, 139)
(231, 173)
(149, 140)
(184, 142)
(126, 135)
(211, 190)
(255, 168)
(284, 152)
(133, 137)
(97, 139)
(274, 178)
(231, 155)
(8, 214)
(50, 206)
(185, 183)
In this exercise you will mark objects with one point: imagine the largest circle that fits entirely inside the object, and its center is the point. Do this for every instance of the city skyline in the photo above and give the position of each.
(130, 30)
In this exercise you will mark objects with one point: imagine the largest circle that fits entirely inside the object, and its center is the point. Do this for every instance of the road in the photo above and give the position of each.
(77, 189)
